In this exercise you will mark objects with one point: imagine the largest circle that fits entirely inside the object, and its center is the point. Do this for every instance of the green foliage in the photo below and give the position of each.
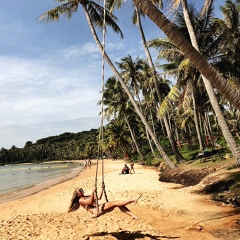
(134, 157)
(222, 142)
(149, 161)
(66, 146)
(166, 146)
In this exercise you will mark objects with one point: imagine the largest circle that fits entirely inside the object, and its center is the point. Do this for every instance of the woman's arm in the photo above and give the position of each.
(88, 201)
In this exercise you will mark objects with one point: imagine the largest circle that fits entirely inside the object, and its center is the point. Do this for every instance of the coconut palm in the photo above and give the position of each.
(186, 89)
(226, 132)
(134, 73)
(137, 21)
(117, 105)
(138, 14)
(188, 77)
(116, 132)
(229, 30)
(95, 18)
(173, 33)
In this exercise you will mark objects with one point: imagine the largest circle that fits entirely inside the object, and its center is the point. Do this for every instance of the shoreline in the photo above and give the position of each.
(30, 190)
(40, 186)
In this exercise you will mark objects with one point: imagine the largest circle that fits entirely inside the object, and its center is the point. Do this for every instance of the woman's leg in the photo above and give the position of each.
(113, 204)
(128, 212)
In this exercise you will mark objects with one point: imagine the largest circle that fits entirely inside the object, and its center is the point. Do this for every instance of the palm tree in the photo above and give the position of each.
(177, 154)
(133, 73)
(186, 91)
(206, 8)
(227, 134)
(116, 132)
(117, 105)
(208, 71)
(229, 30)
(137, 21)
(95, 17)
(181, 67)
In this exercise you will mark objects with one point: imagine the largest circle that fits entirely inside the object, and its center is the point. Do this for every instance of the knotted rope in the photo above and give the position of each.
(100, 142)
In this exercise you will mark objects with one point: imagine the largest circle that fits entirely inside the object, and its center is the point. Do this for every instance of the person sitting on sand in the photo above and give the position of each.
(89, 204)
(125, 170)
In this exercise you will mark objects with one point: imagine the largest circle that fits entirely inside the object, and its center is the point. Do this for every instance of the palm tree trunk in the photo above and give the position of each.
(134, 138)
(154, 131)
(172, 32)
(150, 144)
(159, 147)
(210, 130)
(147, 134)
(206, 6)
(175, 150)
(172, 141)
(197, 123)
(124, 150)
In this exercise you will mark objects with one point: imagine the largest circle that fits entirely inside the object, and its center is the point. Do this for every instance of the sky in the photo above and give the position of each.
(51, 73)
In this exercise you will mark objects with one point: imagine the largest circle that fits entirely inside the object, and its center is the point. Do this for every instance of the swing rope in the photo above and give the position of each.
(100, 142)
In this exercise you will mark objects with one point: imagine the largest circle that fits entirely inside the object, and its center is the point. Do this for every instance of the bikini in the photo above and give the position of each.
(95, 211)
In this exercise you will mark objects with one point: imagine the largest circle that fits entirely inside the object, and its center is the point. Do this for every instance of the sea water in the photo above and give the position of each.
(21, 176)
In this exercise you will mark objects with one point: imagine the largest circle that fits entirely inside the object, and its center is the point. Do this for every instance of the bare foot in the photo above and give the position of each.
(136, 200)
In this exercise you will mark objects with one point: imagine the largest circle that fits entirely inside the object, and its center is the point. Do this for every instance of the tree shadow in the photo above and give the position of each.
(126, 235)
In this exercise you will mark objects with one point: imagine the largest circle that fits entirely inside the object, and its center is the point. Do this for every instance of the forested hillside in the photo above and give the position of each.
(65, 146)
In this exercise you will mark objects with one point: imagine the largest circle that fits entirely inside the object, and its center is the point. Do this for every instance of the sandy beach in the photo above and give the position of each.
(165, 211)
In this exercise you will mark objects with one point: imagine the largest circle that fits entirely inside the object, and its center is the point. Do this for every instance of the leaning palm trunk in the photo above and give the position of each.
(225, 130)
(150, 144)
(134, 138)
(147, 134)
(208, 71)
(205, 8)
(208, 135)
(159, 147)
(124, 150)
(209, 127)
(197, 123)
(176, 152)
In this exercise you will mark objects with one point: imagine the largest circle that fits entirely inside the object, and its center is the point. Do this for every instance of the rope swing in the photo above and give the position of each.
(100, 142)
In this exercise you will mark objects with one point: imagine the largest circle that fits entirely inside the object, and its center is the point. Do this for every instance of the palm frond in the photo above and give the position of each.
(65, 9)
(169, 101)
(95, 11)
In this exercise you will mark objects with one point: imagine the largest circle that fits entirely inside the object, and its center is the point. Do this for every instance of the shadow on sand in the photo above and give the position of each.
(126, 235)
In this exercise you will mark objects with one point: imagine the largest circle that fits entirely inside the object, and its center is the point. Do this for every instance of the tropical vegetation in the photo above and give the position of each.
(188, 99)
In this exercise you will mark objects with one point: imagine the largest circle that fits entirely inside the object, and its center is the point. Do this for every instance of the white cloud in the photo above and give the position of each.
(110, 46)
(35, 90)
(18, 135)
(88, 49)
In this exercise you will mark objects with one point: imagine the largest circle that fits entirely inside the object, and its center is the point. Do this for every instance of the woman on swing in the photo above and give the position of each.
(89, 204)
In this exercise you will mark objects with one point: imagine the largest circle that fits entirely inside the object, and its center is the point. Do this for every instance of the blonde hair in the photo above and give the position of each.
(74, 204)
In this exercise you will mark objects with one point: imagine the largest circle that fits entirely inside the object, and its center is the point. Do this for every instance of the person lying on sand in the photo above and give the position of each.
(89, 204)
